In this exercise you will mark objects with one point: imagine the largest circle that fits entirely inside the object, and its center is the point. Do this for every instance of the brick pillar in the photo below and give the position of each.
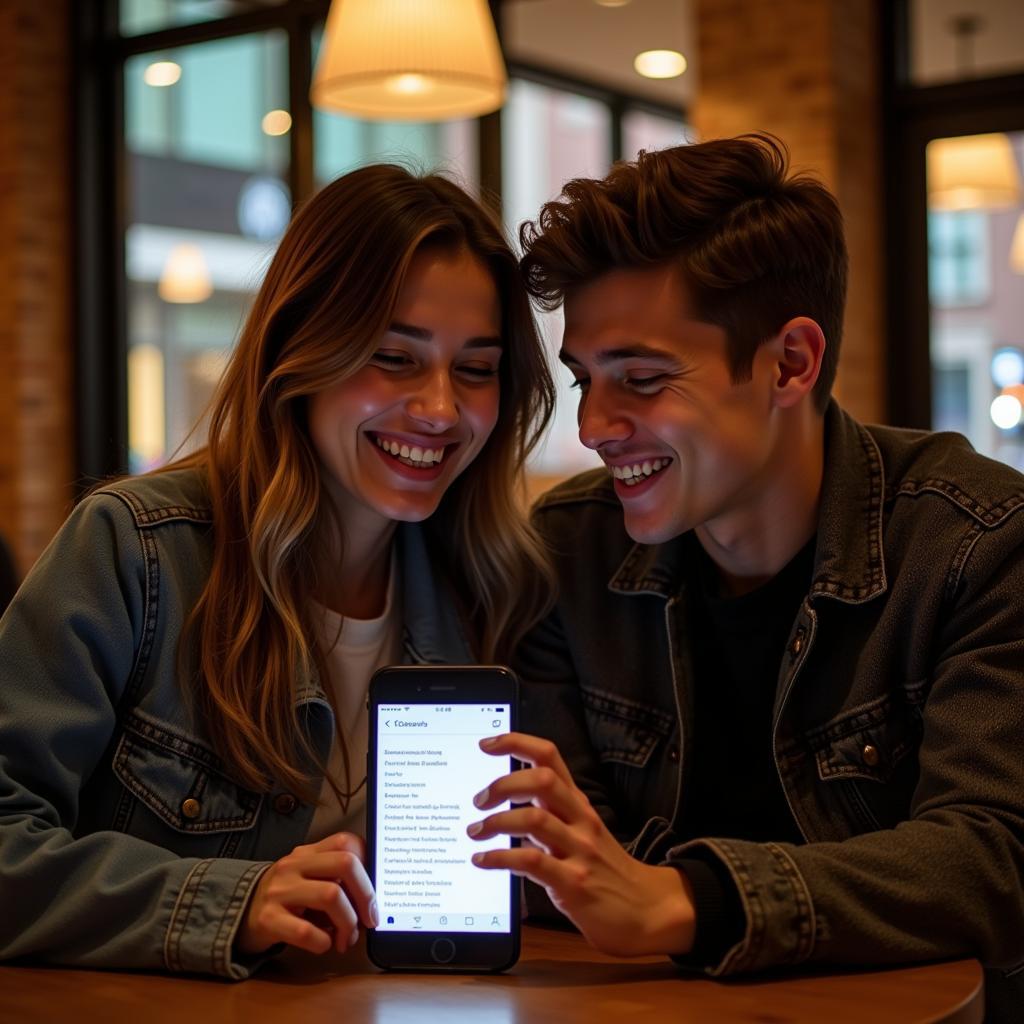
(36, 346)
(809, 71)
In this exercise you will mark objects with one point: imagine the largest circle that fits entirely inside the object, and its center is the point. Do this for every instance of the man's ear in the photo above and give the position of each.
(799, 348)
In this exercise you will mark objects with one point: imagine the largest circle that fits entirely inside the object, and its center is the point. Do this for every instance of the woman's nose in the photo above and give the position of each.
(434, 403)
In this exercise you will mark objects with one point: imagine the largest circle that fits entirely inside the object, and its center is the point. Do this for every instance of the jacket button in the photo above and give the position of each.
(284, 803)
(798, 643)
(191, 808)
(870, 755)
(673, 754)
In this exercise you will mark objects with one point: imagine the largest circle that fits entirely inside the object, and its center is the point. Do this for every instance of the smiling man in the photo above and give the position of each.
(779, 706)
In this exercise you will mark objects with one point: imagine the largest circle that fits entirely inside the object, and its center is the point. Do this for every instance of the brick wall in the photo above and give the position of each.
(809, 71)
(36, 353)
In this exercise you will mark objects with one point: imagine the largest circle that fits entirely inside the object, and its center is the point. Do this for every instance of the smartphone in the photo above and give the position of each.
(438, 911)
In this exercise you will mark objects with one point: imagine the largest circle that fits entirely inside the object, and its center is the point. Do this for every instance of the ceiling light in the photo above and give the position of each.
(185, 276)
(276, 122)
(1006, 412)
(393, 60)
(660, 63)
(162, 73)
(972, 172)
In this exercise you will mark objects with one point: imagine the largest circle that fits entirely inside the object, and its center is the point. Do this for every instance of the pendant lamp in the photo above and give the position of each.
(972, 172)
(409, 60)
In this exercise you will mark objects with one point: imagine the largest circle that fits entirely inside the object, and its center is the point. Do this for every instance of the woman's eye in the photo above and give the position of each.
(580, 383)
(480, 372)
(390, 359)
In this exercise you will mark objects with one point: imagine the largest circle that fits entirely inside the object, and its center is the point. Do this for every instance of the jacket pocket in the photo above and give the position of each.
(864, 760)
(180, 781)
(623, 731)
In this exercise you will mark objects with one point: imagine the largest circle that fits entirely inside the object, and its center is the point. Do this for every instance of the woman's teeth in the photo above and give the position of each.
(411, 455)
(632, 475)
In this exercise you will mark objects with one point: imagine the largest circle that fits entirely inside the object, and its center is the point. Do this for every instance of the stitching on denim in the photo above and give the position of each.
(153, 516)
(988, 515)
(807, 924)
(747, 953)
(956, 569)
(218, 957)
(179, 915)
(617, 706)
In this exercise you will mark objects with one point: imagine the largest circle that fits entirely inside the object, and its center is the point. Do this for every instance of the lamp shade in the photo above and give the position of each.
(409, 60)
(972, 172)
(185, 276)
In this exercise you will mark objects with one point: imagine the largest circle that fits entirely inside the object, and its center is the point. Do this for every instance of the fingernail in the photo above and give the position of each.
(489, 742)
(374, 914)
(481, 798)
(475, 829)
(477, 858)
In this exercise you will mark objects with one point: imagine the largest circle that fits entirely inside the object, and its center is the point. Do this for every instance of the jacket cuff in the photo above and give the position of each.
(717, 909)
(780, 920)
(206, 916)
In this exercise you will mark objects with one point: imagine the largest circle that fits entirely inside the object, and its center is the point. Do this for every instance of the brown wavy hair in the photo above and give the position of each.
(327, 298)
(756, 245)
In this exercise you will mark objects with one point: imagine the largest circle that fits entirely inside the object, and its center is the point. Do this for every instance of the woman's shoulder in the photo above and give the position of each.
(165, 495)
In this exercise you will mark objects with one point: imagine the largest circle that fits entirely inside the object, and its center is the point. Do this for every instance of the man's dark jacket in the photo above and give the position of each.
(898, 725)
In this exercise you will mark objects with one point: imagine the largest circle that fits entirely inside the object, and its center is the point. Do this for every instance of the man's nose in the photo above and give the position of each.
(601, 421)
(433, 403)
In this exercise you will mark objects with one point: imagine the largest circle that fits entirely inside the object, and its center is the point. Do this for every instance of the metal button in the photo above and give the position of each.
(798, 643)
(284, 803)
(673, 754)
(191, 808)
(870, 755)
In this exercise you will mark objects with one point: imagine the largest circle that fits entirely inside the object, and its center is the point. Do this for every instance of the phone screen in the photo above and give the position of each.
(429, 767)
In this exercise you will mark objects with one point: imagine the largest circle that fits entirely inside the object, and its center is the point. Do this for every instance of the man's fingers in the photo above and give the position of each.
(530, 749)
(531, 822)
(528, 862)
(543, 785)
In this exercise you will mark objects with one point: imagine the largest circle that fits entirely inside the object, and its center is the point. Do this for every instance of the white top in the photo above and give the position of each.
(364, 646)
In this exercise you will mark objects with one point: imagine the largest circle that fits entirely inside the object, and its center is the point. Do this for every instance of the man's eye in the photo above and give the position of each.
(581, 383)
(645, 383)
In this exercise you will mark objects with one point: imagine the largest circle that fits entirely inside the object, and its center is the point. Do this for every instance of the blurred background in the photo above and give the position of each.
(151, 152)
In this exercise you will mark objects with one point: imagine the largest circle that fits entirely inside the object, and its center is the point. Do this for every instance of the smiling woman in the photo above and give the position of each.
(196, 644)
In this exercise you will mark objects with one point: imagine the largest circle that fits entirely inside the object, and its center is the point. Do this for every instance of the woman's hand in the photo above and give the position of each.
(325, 881)
(622, 906)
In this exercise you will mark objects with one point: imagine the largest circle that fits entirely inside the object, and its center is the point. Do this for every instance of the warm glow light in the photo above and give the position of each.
(146, 423)
(185, 277)
(1017, 247)
(398, 60)
(276, 122)
(1006, 411)
(660, 63)
(162, 73)
(611, 3)
(408, 85)
(972, 172)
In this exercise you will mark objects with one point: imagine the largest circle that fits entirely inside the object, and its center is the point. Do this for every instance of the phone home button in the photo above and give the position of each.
(443, 951)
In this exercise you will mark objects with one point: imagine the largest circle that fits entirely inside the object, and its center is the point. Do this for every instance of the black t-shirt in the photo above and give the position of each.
(732, 788)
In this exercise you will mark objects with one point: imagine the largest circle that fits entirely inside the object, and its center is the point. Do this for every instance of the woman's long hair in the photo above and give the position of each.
(327, 298)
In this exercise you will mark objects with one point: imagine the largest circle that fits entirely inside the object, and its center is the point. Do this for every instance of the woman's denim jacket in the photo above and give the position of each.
(124, 842)
(898, 729)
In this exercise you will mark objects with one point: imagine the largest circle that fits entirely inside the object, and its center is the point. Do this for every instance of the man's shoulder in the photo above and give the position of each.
(944, 464)
(583, 515)
(593, 487)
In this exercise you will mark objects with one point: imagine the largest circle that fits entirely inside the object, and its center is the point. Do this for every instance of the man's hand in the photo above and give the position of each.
(621, 906)
(325, 881)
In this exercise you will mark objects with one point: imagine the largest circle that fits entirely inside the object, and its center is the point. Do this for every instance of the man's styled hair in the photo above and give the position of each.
(755, 246)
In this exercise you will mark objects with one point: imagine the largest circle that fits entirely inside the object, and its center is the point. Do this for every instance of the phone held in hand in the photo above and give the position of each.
(438, 911)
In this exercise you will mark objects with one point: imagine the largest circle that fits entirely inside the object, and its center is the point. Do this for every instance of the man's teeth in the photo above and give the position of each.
(411, 455)
(632, 475)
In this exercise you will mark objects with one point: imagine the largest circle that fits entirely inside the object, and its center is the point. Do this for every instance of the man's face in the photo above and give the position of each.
(687, 447)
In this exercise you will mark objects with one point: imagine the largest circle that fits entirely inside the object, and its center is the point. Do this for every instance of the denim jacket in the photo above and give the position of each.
(124, 841)
(898, 724)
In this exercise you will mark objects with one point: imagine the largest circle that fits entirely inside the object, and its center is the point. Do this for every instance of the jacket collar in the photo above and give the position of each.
(848, 561)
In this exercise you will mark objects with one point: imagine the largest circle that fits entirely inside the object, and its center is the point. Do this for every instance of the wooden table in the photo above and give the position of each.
(558, 979)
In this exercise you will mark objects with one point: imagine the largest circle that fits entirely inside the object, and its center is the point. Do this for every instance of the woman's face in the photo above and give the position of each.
(392, 437)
